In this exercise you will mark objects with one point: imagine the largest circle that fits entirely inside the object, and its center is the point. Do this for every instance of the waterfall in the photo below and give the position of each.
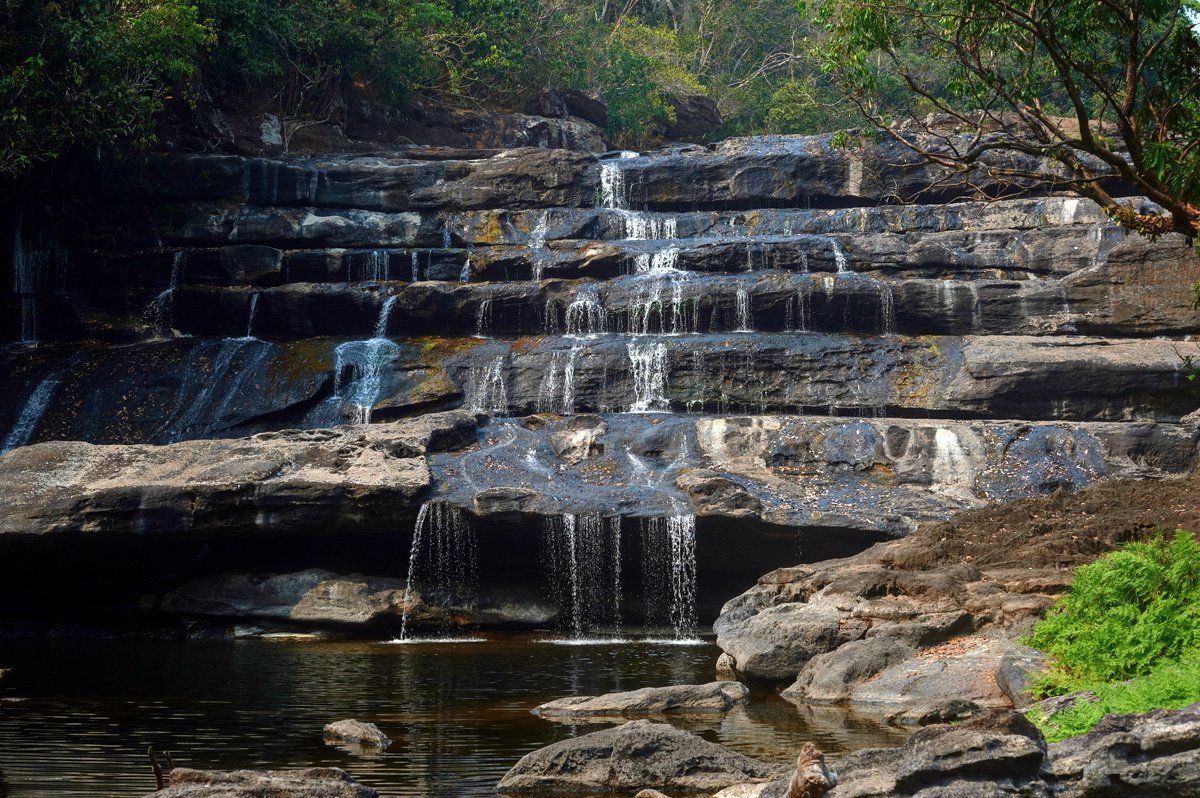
(585, 314)
(669, 573)
(887, 308)
(839, 257)
(537, 245)
(583, 553)
(487, 388)
(744, 323)
(206, 409)
(640, 226)
(951, 465)
(385, 315)
(443, 556)
(648, 373)
(612, 182)
(483, 318)
(250, 315)
(416, 267)
(465, 275)
(359, 371)
(798, 312)
(676, 315)
(662, 261)
(35, 407)
(164, 303)
(556, 394)
(374, 268)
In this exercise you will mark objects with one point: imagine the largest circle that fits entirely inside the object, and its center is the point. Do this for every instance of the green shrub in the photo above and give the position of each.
(1170, 687)
(1126, 614)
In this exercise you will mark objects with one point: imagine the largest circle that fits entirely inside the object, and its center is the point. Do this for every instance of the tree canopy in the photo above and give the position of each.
(1094, 87)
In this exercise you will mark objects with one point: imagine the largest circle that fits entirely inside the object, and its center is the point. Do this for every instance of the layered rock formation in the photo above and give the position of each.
(924, 629)
(758, 333)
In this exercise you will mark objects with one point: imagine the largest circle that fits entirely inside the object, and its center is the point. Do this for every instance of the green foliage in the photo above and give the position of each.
(1064, 78)
(1171, 686)
(89, 73)
(1126, 614)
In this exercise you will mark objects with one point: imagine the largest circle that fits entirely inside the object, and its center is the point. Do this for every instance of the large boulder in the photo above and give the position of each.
(637, 755)
(829, 678)
(273, 483)
(310, 783)
(696, 116)
(684, 699)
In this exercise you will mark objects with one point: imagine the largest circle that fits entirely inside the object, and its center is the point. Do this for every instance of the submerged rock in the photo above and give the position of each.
(355, 732)
(310, 783)
(637, 755)
(684, 699)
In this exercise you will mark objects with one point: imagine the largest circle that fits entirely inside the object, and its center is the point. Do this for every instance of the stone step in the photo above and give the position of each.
(756, 172)
(1068, 378)
(1092, 301)
(163, 391)
(882, 475)
(209, 225)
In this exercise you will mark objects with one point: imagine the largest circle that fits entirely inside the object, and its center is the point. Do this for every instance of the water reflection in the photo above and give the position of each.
(458, 714)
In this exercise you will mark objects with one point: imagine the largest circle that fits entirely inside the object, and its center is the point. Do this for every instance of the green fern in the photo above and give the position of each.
(1125, 615)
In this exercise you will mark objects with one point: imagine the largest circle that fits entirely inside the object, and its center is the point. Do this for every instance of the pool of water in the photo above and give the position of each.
(76, 717)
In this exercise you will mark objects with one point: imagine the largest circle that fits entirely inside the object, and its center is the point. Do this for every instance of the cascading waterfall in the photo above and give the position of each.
(583, 553)
(35, 407)
(250, 315)
(163, 305)
(416, 267)
(612, 182)
(206, 408)
(443, 558)
(361, 366)
(585, 315)
(648, 373)
(839, 257)
(660, 297)
(29, 267)
(669, 573)
(951, 467)
(487, 388)
(742, 308)
(537, 245)
(483, 318)
(798, 311)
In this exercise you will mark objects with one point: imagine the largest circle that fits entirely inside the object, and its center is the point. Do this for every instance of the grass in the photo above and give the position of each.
(1128, 630)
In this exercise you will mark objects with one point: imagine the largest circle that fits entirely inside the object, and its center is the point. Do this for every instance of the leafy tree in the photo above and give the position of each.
(89, 74)
(1094, 87)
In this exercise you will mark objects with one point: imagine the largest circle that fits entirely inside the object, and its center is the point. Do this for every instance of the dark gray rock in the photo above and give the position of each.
(685, 699)
(830, 678)
(696, 116)
(637, 755)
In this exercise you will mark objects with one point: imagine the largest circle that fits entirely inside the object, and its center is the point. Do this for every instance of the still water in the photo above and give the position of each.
(76, 717)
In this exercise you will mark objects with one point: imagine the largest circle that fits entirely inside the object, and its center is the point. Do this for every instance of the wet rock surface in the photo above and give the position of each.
(318, 480)
(689, 699)
(636, 755)
(310, 783)
(356, 732)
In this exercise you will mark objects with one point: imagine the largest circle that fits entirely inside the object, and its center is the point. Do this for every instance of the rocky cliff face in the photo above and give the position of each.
(764, 333)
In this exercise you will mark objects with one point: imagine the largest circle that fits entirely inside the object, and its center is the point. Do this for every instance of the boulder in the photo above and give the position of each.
(272, 483)
(581, 439)
(696, 116)
(714, 494)
(635, 756)
(355, 732)
(310, 783)
(557, 103)
(829, 678)
(940, 684)
(687, 699)
(1155, 754)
